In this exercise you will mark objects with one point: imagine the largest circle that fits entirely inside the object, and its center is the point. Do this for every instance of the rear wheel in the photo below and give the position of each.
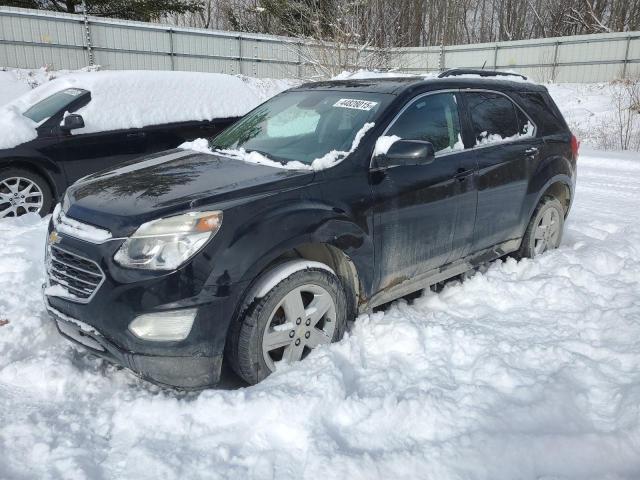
(22, 191)
(300, 313)
(545, 229)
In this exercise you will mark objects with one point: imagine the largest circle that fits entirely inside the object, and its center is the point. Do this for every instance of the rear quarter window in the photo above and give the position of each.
(544, 112)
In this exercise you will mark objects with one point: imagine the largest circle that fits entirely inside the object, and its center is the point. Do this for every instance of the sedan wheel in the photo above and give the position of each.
(18, 196)
(23, 191)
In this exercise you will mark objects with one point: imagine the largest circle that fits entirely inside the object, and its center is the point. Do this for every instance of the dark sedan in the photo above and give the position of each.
(75, 128)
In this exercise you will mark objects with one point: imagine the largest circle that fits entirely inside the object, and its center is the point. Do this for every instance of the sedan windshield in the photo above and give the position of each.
(303, 125)
(51, 105)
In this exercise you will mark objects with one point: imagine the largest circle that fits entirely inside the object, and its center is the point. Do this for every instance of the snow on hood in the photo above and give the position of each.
(135, 99)
(328, 160)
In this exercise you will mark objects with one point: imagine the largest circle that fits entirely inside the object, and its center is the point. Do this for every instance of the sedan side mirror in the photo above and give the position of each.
(73, 121)
(405, 153)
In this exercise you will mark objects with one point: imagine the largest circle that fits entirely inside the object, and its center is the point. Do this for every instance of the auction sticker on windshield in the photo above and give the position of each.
(354, 103)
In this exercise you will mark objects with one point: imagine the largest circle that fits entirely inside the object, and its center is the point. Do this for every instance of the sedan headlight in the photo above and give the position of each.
(167, 243)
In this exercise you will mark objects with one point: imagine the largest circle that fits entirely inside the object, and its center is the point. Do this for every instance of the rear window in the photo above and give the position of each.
(53, 104)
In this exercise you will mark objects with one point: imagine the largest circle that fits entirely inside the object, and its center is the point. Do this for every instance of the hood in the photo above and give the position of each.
(169, 183)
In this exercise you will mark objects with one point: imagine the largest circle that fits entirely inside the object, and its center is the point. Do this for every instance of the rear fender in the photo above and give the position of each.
(552, 170)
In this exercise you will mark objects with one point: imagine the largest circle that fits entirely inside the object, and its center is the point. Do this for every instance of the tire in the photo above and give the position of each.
(247, 345)
(539, 238)
(16, 200)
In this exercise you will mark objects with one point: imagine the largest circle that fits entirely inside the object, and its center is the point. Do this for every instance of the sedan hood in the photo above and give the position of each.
(168, 183)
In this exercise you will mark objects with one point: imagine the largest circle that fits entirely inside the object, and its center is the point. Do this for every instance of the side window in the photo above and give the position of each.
(495, 118)
(432, 118)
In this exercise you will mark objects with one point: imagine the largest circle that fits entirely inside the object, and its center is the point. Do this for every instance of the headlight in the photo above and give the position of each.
(167, 243)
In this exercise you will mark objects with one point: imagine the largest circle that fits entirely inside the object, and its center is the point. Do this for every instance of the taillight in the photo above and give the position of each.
(575, 146)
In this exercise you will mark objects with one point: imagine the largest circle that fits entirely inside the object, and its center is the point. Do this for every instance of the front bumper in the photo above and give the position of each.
(100, 324)
(171, 371)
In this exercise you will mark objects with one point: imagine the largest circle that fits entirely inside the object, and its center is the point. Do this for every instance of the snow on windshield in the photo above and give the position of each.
(135, 99)
(326, 161)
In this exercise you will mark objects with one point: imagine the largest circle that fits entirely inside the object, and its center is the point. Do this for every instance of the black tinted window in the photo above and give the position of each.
(53, 104)
(544, 113)
(432, 118)
(493, 117)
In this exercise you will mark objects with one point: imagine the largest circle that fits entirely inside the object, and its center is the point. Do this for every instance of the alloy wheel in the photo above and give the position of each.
(19, 195)
(302, 320)
(547, 231)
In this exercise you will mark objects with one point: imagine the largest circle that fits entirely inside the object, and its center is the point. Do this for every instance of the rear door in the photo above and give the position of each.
(418, 208)
(505, 146)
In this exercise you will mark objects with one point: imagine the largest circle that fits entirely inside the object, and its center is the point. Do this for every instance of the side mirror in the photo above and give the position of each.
(405, 153)
(73, 121)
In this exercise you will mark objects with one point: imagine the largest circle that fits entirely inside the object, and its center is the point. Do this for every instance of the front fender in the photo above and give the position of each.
(39, 164)
(270, 233)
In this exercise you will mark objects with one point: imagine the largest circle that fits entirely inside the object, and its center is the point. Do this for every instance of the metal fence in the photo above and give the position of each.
(32, 39)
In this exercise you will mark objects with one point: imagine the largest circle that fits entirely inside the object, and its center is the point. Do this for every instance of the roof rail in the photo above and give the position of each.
(454, 72)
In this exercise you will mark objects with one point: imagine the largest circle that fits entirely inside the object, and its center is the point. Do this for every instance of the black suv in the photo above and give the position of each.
(325, 201)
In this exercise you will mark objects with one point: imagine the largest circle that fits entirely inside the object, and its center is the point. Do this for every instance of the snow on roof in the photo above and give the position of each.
(135, 99)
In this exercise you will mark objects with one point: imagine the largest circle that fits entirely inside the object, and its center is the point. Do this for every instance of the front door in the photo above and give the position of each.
(418, 208)
(86, 153)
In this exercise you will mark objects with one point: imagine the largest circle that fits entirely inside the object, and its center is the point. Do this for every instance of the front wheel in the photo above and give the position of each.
(22, 191)
(544, 231)
(303, 311)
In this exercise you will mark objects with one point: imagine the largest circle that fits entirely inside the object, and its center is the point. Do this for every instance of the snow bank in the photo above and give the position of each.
(530, 370)
(135, 99)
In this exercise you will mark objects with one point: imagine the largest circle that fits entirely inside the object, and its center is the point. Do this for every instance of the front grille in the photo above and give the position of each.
(79, 276)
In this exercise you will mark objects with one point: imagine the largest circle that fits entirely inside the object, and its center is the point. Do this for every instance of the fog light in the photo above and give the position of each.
(163, 326)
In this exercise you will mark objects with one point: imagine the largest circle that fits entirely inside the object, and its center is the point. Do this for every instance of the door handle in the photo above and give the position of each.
(461, 174)
(136, 135)
(531, 151)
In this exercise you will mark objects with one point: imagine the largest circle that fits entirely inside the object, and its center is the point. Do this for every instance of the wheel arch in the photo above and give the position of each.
(34, 166)
(560, 187)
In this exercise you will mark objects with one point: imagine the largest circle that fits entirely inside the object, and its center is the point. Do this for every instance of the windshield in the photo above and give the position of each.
(51, 105)
(303, 125)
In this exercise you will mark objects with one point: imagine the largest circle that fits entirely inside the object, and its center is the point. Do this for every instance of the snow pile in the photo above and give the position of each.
(326, 161)
(135, 99)
(15, 127)
(530, 370)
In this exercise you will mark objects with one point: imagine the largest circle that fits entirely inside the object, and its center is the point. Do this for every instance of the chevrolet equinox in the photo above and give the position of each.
(325, 201)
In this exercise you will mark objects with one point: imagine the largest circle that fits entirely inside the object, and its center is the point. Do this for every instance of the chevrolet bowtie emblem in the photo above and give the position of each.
(54, 238)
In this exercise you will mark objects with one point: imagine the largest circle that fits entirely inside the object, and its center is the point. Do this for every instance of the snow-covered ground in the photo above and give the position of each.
(530, 370)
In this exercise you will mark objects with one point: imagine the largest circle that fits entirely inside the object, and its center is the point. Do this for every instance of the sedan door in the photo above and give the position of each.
(86, 153)
(424, 214)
